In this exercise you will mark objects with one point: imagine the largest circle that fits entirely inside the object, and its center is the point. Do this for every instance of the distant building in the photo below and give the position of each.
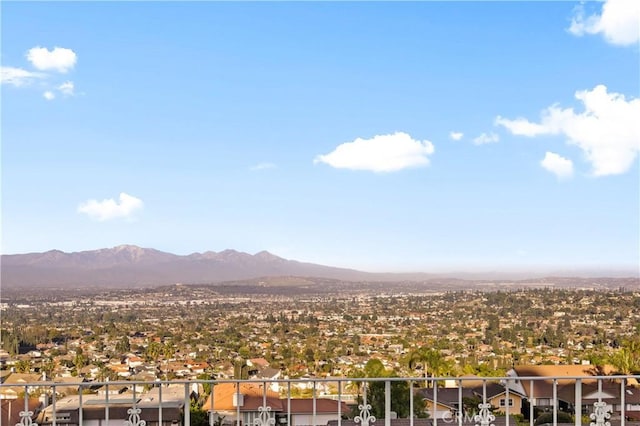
(10, 410)
(122, 407)
(227, 401)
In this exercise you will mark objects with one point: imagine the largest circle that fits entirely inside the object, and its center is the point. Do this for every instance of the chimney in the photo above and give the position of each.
(238, 399)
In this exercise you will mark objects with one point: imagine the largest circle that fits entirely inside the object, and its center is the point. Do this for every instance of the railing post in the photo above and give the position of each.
(211, 410)
(238, 404)
(460, 403)
(25, 416)
(506, 404)
(578, 403)
(555, 402)
(435, 402)
(484, 417)
(364, 394)
(288, 403)
(80, 410)
(313, 402)
(411, 415)
(623, 401)
(106, 403)
(600, 414)
(531, 402)
(187, 405)
(53, 403)
(387, 403)
(340, 403)
(160, 405)
(364, 418)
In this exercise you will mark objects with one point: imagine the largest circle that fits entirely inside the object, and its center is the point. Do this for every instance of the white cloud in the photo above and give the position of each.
(557, 164)
(486, 138)
(456, 136)
(49, 95)
(111, 209)
(67, 88)
(608, 131)
(263, 166)
(59, 59)
(619, 22)
(382, 153)
(18, 76)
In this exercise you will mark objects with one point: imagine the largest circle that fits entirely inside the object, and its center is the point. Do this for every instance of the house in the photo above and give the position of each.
(445, 402)
(121, 408)
(20, 382)
(248, 399)
(302, 411)
(609, 392)
(134, 361)
(10, 410)
(122, 370)
(539, 382)
(496, 395)
(197, 367)
(65, 385)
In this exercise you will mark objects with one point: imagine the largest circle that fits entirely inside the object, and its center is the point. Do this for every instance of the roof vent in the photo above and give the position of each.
(238, 399)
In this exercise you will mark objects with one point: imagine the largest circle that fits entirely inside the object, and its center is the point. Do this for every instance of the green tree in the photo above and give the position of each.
(197, 415)
(23, 366)
(430, 361)
(626, 360)
(400, 393)
(123, 345)
(152, 352)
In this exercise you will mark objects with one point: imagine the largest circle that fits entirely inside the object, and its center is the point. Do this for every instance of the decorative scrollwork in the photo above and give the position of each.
(264, 418)
(134, 418)
(26, 419)
(365, 418)
(600, 414)
(484, 417)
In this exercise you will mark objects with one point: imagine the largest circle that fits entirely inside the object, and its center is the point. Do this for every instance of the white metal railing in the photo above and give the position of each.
(477, 401)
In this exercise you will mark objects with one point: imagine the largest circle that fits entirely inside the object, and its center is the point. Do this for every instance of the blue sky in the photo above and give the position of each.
(419, 136)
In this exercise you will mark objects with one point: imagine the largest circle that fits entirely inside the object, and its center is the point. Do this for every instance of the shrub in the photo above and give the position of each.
(548, 418)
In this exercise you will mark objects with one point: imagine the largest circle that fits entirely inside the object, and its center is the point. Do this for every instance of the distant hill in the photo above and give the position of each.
(129, 266)
(132, 266)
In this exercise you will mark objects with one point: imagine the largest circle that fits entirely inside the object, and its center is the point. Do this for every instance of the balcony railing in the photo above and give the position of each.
(478, 401)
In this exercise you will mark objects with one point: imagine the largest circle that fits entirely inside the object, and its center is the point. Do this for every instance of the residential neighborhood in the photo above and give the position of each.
(446, 343)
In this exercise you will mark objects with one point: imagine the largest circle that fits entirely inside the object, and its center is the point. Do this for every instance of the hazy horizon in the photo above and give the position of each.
(518, 272)
(444, 137)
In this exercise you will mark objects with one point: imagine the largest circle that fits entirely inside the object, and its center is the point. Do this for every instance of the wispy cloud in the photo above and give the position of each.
(486, 138)
(67, 88)
(608, 131)
(382, 153)
(49, 95)
(18, 77)
(558, 165)
(59, 59)
(109, 209)
(455, 136)
(619, 22)
(263, 166)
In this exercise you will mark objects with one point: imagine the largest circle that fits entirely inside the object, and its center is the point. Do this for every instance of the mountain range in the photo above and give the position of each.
(129, 266)
(132, 266)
